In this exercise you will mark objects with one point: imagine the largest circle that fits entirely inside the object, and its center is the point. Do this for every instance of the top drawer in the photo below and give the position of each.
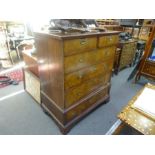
(79, 45)
(108, 40)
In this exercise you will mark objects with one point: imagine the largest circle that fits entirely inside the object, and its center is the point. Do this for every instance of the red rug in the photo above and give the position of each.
(14, 75)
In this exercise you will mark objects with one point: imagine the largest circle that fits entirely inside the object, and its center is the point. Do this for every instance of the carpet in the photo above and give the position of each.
(16, 75)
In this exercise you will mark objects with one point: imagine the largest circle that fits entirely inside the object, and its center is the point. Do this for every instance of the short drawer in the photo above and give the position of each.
(81, 108)
(79, 45)
(78, 77)
(108, 40)
(77, 93)
(82, 60)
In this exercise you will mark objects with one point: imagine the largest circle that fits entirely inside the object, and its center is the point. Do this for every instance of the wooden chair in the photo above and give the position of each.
(24, 45)
(147, 67)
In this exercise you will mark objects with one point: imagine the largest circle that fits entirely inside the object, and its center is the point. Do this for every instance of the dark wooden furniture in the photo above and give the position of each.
(146, 67)
(31, 75)
(132, 121)
(75, 72)
(124, 55)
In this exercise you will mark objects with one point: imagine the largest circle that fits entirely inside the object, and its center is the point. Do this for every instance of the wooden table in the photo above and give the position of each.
(134, 119)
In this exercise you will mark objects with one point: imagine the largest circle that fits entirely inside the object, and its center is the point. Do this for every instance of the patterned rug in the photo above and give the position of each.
(14, 75)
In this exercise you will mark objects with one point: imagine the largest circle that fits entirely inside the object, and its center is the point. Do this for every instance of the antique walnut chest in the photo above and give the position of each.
(75, 72)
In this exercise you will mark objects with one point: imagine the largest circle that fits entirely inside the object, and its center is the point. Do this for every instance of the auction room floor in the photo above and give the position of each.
(20, 114)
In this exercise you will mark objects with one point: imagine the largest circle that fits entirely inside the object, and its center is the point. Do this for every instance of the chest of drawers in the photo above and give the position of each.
(75, 72)
(125, 55)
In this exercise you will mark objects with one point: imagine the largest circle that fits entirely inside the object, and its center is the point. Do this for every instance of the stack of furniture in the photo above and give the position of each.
(125, 54)
(75, 71)
(112, 27)
(109, 24)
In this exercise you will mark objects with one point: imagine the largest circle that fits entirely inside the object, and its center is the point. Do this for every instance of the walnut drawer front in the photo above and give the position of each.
(79, 45)
(86, 104)
(75, 94)
(82, 60)
(78, 77)
(108, 40)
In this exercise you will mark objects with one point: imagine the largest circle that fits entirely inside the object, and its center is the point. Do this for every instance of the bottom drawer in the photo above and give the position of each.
(125, 62)
(75, 94)
(81, 108)
(32, 85)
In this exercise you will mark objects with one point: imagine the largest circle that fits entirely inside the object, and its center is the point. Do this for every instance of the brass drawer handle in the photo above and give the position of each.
(106, 53)
(80, 76)
(78, 94)
(105, 66)
(81, 60)
(110, 38)
(94, 69)
(83, 41)
(73, 113)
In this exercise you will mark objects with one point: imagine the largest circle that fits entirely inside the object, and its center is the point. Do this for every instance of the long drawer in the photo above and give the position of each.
(129, 47)
(78, 77)
(128, 52)
(86, 104)
(77, 93)
(127, 56)
(82, 60)
(79, 45)
(108, 40)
